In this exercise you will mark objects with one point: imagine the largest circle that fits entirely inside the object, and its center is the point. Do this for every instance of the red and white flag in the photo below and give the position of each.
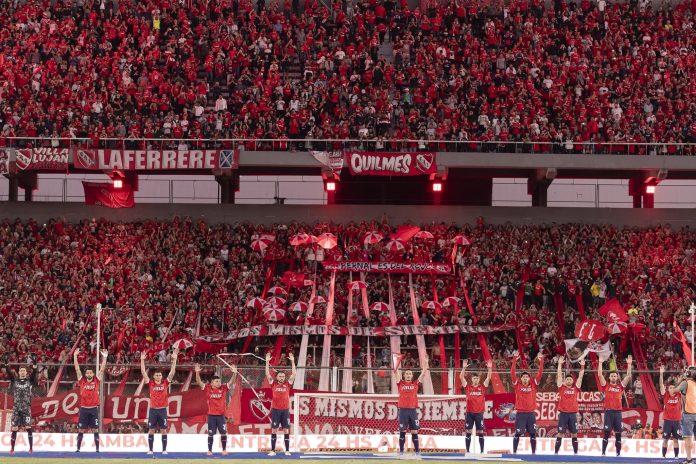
(396, 360)
(613, 311)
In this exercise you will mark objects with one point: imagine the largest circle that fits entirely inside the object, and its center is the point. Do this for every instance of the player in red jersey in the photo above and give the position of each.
(408, 406)
(475, 402)
(525, 402)
(89, 399)
(280, 403)
(613, 391)
(568, 390)
(672, 416)
(159, 401)
(216, 395)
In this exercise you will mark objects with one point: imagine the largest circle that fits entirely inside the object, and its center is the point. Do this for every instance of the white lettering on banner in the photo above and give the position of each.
(150, 160)
(400, 164)
(196, 443)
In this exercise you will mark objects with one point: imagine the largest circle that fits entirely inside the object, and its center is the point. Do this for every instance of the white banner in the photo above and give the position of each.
(197, 444)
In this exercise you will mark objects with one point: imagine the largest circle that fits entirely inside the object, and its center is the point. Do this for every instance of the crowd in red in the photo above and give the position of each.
(160, 282)
(530, 71)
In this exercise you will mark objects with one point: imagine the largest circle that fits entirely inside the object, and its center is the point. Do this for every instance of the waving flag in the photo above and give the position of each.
(613, 311)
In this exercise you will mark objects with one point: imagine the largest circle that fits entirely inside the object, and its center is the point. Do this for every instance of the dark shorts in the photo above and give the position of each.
(21, 418)
(408, 419)
(474, 418)
(525, 422)
(157, 418)
(217, 424)
(671, 429)
(688, 424)
(89, 418)
(280, 418)
(568, 422)
(613, 421)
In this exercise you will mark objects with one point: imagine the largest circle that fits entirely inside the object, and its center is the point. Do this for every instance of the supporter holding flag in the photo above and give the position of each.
(280, 403)
(89, 398)
(672, 416)
(568, 391)
(159, 401)
(525, 402)
(216, 395)
(613, 392)
(475, 402)
(408, 406)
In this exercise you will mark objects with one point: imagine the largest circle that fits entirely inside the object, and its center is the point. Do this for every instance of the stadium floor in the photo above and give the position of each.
(315, 458)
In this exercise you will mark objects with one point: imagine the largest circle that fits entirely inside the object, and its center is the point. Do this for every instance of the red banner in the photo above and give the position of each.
(184, 405)
(391, 163)
(104, 194)
(216, 345)
(4, 161)
(49, 159)
(155, 160)
(389, 267)
(613, 311)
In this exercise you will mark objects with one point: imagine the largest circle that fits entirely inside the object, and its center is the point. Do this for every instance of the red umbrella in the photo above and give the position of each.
(395, 245)
(431, 305)
(318, 300)
(275, 301)
(379, 306)
(299, 239)
(372, 237)
(273, 314)
(461, 240)
(267, 237)
(299, 306)
(450, 301)
(357, 285)
(182, 344)
(312, 239)
(256, 303)
(277, 291)
(259, 245)
(424, 234)
(617, 327)
(327, 241)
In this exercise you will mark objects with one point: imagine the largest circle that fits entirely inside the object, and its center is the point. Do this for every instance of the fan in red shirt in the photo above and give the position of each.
(613, 391)
(280, 403)
(475, 402)
(89, 399)
(159, 401)
(525, 402)
(568, 390)
(408, 405)
(672, 402)
(216, 395)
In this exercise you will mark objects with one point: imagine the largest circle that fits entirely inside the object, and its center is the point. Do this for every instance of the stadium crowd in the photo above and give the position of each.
(528, 71)
(163, 281)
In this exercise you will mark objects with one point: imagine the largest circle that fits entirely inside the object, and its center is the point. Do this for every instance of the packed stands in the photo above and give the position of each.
(556, 73)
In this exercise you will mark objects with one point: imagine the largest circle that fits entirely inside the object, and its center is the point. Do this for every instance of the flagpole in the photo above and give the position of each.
(692, 310)
(101, 384)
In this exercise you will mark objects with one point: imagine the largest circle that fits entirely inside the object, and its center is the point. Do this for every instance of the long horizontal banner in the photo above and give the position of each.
(155, 160)
(194, 443)
(389, 267)
(391, 163)
(272, 330)
(48, 159)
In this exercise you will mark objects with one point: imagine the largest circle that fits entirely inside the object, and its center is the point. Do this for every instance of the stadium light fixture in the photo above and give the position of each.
(650, 189)
(330, 186)
(437, 186)
(118, 184)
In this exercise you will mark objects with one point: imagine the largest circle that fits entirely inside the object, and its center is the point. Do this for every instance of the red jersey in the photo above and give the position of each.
(525, 396)
(408, 394)
(89, 392)
(673, 406)
(612, 396)
(159, 394)
(475, 399)
(217, 398)
(281, 395)
(568, 398)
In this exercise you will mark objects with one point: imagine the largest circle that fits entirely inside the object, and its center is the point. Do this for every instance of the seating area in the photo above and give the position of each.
(549, 76)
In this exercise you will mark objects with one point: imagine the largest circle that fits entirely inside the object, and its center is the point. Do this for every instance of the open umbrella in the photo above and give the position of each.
(318, 300)
(259, 245)
(256, 303)
(450, 301)
(299, 306)
(267, 237)
(299, 239)
(395, 245)
(461, 240)
(424, 234)
(356, 285)
(273, 314)
(182, 344)
(275, 301)
(372, 237)
(327, 241)
(277, 291)
(434, 305)
(379, 306)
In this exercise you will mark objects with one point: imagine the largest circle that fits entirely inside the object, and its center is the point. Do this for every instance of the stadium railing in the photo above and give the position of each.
(475, 146)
